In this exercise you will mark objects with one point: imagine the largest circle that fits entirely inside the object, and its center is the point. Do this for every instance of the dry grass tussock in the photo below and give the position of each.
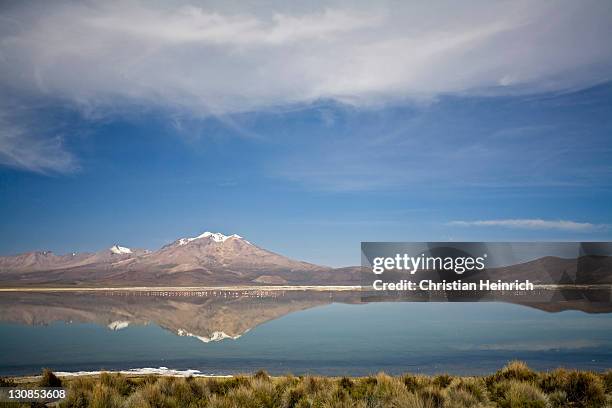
(513, 386)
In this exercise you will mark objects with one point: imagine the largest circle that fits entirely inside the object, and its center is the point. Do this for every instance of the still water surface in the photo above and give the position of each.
(322, 338)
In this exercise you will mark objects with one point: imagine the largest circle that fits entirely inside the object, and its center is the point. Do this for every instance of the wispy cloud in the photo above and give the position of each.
(21, 147)
(532, 223)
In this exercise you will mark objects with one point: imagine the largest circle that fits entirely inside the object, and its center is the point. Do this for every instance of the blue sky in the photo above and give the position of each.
(141, 136)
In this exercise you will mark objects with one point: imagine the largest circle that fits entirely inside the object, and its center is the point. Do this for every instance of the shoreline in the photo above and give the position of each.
(137, 373)
(321, 288)
(230, 288)
(187, 373)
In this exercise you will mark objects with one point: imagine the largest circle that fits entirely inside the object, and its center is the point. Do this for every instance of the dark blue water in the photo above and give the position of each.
(337, 339)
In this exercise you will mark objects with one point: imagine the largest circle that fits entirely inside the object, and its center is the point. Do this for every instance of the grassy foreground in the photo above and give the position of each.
(515, 385)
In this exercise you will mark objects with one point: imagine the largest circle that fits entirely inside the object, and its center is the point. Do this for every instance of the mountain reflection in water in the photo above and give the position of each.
(322, 332)
(209, 315)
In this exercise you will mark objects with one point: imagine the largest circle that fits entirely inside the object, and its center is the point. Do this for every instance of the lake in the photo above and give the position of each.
(318, 333)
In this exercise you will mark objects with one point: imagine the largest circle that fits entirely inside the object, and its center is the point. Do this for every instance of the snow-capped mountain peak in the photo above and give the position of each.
(118, 324)
(217, 236)
(216, 336)
(119, 250)
(214, 236)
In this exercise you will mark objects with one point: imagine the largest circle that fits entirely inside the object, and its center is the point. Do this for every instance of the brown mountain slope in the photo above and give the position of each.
(208, 259)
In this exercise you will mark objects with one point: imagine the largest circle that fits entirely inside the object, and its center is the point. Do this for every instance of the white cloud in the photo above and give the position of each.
(105, 57)
(533, 223)
(223, 58)
(189, 24)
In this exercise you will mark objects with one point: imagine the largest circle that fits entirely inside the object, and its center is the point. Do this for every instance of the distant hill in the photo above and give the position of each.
(207, 259)
(553, 270)
(214, 259)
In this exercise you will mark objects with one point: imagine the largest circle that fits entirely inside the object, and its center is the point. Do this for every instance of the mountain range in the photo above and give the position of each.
(207, 259)
(214, 259)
